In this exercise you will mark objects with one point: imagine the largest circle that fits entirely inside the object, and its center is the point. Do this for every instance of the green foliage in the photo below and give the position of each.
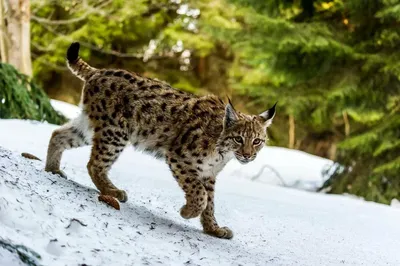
(23, 99)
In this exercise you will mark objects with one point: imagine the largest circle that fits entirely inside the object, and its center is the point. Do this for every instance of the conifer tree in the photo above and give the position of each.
(333, 66)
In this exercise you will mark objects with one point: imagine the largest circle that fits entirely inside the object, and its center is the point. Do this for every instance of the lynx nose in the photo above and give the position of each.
(246, 155)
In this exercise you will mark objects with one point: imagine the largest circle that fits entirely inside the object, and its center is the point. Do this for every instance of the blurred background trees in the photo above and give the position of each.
(332, 65)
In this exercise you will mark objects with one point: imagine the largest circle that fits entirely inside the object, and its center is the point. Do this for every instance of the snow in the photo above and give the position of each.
(395, 203)
(284, 167)
(70, 111)
(272, 225)
(8, 258)
(63, 221)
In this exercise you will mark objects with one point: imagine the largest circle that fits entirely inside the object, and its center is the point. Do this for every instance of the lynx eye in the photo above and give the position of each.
(238, 139)
(256, 142)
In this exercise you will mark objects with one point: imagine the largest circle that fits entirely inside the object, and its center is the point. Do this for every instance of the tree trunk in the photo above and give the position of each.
(3, 35)
(346, 124)
(292, 136)
(18, 32)
(332, 152)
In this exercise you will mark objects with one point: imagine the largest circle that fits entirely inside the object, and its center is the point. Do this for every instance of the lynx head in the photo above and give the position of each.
(245, 135)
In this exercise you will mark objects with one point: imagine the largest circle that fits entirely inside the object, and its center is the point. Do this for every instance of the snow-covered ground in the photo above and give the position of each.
(273, 225)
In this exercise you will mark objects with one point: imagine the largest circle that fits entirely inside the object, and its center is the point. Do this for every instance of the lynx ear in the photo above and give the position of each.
(230, 115)
(268, 115)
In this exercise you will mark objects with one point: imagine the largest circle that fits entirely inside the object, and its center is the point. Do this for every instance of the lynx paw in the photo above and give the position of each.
(117, 193)
(187, 212)
(57, 172)
(220, 232)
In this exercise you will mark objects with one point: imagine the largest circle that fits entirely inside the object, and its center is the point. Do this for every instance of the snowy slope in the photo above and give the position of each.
(272, 225)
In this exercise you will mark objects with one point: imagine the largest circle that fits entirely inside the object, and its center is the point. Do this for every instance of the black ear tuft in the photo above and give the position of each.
(73, 52)
(268, 115)
(230, 102)
(272, 110)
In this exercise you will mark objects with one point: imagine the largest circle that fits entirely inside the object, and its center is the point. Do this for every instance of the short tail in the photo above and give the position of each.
(77, 66)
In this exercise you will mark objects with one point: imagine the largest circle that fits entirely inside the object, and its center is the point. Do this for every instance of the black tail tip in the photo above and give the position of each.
(73, 52)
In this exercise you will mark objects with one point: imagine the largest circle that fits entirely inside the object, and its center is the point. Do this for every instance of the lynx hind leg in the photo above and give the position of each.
(74, 134)
(108, 144)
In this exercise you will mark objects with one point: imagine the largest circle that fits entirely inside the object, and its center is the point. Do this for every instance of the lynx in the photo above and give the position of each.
(196, 136)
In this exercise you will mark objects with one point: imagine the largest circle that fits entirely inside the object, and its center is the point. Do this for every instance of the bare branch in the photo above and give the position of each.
(72, 20)
(75, 220)
(59, 22)
(90, 46)
(256, 176)
(47, 63)
(42, 48)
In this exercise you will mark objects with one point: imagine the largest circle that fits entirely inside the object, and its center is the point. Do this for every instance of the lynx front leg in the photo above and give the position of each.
(196, 197)
(195, 193)
(210, 225)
